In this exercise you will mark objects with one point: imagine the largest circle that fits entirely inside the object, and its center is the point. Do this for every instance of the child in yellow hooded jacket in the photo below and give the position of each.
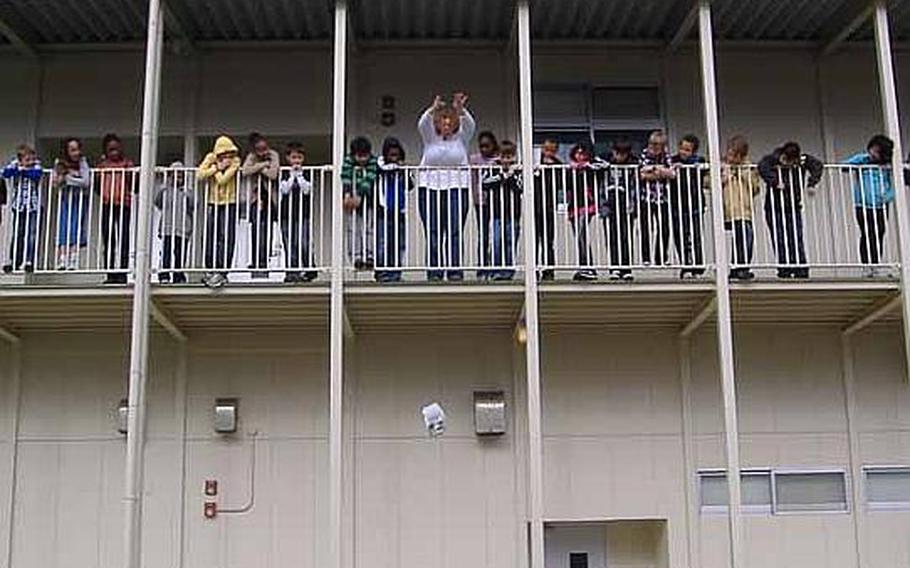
(219, 170)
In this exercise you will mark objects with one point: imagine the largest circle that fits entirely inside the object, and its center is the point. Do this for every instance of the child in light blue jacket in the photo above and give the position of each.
(873, 191)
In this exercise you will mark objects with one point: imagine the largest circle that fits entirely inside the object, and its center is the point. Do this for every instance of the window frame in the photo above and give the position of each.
(592, 125)
(811, 471)
(883, 505)
(712, 510)
(773, 509)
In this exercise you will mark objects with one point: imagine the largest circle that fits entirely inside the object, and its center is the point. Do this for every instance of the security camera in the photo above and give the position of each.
(434, 417)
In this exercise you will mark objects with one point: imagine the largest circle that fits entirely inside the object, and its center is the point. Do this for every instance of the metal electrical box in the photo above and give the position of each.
(489, 413)
(123, 416)
(226, 415)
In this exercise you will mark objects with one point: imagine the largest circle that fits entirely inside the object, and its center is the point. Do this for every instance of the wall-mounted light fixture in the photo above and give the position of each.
(226, 415)
(489, 413)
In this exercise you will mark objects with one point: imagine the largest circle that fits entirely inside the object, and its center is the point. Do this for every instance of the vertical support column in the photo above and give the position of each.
(336, 319)
(15, 402)
(135, 442)
(893, 127)
(722, 266)
(532, 348)
(191, 109)
(853, 451)
(34, 113)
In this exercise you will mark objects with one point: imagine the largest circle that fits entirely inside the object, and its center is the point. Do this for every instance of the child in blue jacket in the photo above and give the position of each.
(391, 226)
(873, 192)
(22, 177)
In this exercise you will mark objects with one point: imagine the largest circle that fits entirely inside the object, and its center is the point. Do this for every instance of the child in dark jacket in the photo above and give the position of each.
(619, 207)
(656, 173)
(358, 177)
(581, 199)
(22, 177)
(787, 172)
(502, 190)
(391, 228)
(687, 205)
(548, 187)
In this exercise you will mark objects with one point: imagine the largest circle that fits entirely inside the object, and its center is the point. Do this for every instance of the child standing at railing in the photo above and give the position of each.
(619, 207)
(687, 204)
(502, 192)
(219, 169)
(787, 172)
(176, 200)
(548, 187)
(873, 192)
(358, 177)
(741, 184)
(72, 177)
(656, 173)
(486, 157)
(391, 229)
(581, 201)
(260, 171)
(296, 204)
(116, 202)
(23, 190)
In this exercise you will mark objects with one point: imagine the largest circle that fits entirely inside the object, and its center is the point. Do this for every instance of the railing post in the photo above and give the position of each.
(722, 268)
(532, 347)
(135, 443)
(336, 319)
(893, 127)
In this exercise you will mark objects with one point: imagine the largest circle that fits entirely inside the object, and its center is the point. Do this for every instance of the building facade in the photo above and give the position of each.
(279, 423)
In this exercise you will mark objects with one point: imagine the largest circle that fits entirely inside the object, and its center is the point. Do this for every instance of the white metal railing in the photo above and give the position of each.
(437, 221)
(841, 226)
(244, 227)
(416, 223)
(69, 224)
(52, 226)
(620, 218)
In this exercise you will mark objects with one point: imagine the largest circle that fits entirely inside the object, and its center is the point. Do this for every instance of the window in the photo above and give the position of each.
(888, 487)
(767, 491)
(755, 487)
(578, 560)
(810, 491)
(600, 115)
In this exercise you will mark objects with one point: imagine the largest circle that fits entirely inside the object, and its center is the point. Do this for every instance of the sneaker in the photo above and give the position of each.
(29, 268)
(309, 276)
(62, 259)
(615, 275)
(870, 272)
(164, 278)
(292, 278)
(434, 276)
(627, 276)
(215, 280)
(72, 262)
(585, 276)
(503, 276)
(800, 273)
(359, 265)
(7, 268)
(455, 276)
(259, 275)
(179, 278)
(548, 275)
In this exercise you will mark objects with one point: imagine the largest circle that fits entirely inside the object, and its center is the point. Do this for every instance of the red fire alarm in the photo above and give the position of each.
(211, 510)
(211, 487)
